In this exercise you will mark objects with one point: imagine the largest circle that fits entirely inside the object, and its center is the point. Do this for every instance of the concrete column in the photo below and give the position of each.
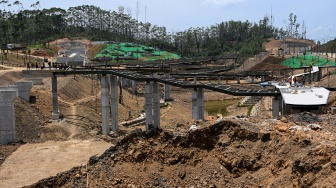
(219, 80)
(292, 71)
(194, 104)
(7, 115)
(105, 105)
(252, 79)
(123, 82)
(156, 105)
(238, 79)
(114, 101)
(134, 87)
(275, 107)
(280, 104)
(319, 75)
(55, 112)
(167, 88)
(200, 104)
(24, 88)
(148, 105)
(195, 80)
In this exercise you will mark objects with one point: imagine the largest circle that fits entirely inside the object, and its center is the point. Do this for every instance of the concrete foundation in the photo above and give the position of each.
(114, 101)
(24, 88)
(7, 115)
(105, 104)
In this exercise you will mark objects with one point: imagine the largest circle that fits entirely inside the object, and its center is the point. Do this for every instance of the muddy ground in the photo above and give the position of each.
(240, 151)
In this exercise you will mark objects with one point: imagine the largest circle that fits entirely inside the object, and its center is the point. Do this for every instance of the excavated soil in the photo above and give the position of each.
(292, 151)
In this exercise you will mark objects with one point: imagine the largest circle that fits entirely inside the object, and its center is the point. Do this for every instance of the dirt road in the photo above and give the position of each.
(31, 162)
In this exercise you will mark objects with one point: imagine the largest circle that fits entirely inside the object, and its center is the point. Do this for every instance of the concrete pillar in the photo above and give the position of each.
(275, 107)
(24, 88)
(200, 104)
(148, 105)
(7, 115)
(292, 71)
(156, 105)
(123, 82)
(238, 79)
(252, 79)
(305, 69)
(105, 105)
(195, 80)
(114, 101)
(134, 87)
(219, 80)
(194, 104)
(319, 75)
(167, 89)
(55, 112)
(280, 104)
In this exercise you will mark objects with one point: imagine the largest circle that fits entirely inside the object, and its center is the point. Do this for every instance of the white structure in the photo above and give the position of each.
(296, 100)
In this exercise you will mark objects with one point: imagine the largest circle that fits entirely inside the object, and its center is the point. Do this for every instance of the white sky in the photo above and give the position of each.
(179, 15)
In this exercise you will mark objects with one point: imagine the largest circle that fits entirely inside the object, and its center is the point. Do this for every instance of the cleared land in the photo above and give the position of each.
(238, 152)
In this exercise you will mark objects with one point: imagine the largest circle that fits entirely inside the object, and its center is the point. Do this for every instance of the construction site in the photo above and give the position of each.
(171, 123)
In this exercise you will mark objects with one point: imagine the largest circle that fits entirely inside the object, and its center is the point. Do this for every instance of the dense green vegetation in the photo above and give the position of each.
(40, 26)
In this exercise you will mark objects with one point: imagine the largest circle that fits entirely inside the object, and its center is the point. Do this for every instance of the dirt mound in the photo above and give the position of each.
(269, 63)
(232, 153)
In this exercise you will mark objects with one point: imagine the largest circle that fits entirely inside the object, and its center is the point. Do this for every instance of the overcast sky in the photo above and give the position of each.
(179, 15)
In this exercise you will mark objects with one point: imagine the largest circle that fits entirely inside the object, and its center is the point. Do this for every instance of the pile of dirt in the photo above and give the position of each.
(232, 153)
(269, 63)
(42, 53)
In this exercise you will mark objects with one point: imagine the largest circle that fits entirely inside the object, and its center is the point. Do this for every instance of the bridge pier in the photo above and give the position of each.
(148, 105)
(198, 104)
(275, 107)
(114, 101)
(7, 115)
(55, 112)
(238, 79)
(219, 80)
(123, 82)
(134, 87)
(156, 105)
(105, 105)
(24, 88)
(167, 89)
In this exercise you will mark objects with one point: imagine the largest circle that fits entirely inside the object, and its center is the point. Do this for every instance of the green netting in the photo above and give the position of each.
(307, 60)
(134, 51)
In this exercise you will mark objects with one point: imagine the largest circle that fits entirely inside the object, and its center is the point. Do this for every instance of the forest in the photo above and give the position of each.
(230, 38)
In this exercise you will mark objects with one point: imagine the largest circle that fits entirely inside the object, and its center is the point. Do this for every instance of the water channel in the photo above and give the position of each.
(219, 107)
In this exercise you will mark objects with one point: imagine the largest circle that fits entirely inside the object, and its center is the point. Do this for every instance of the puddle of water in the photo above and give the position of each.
(218, 107)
